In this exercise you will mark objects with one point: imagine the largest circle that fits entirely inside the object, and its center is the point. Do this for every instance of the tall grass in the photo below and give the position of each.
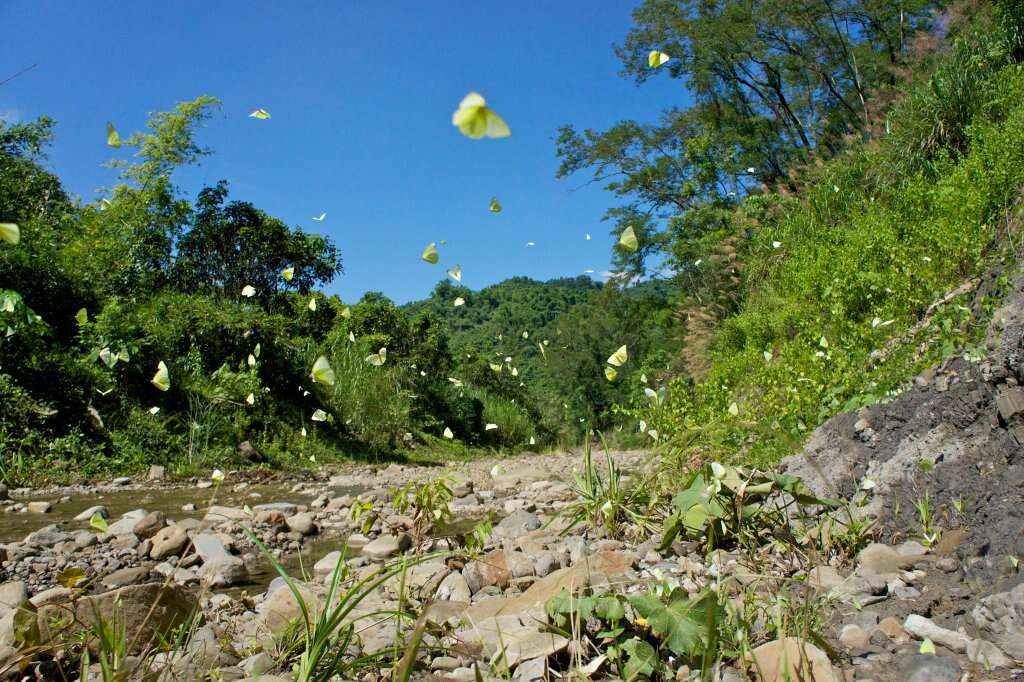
(371, 403)
(515, 426)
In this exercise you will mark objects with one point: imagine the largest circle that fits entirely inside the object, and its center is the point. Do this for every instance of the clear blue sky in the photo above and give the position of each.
(361, 95)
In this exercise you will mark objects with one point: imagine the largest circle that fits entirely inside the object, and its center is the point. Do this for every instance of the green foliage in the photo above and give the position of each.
(729, 506)
(647, 635)
(427, 503)
(604, 502)
(866, 278)
(230, 246)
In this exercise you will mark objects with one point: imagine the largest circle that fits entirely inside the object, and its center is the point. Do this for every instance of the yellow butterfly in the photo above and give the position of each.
(346, 312)
(10, 233)
(495, 206)
(475, 119)
(734, 409)
(495, 367)
(261, 114)
(448, 433)
(252, 360)
(113, 139)
(154, 410)
(619, 357)
(490, 427)
(319, 416)
(456, 273)
(656, 59)
(217, 476)
(98, 522)
(312, 304)
(610, 373)
(430, 254)
(251, 399)
(256, 351)
(628, 239)
(82, 316)
(162, 378)
(351, 337)
(377, 359)
(248, 291)
(322, 372)
(288, 273)
(459, 301)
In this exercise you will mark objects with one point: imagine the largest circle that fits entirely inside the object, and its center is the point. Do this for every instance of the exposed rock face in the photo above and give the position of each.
(955, 432)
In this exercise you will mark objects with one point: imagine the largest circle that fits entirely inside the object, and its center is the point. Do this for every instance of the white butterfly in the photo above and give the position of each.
(321, 218)
(529, 244)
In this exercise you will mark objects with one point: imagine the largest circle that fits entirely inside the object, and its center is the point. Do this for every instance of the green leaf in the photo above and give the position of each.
(679, 624)
(642, 661)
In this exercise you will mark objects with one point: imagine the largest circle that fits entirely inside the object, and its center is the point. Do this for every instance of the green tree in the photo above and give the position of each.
(231, 245)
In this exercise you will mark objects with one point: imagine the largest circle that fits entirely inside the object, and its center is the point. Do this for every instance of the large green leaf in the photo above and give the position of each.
(679, 623)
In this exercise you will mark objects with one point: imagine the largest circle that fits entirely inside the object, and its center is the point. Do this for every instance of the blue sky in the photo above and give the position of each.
(361, 95)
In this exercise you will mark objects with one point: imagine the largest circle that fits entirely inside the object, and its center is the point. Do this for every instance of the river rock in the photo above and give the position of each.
(39, 507)
(156, 473)
(133, 575)
(1001, 617)
(923, 628)
(987, 655)
(95, 509)
(210, 547)
(792, 659)
(454, 588)
(11, 594)
(386, 546)
(286, 508)
(878, 559)
(147, 612)
(280, 608)
(324, 568)
(224, 572)
(928, 668)
(126, 524)
(489, 570)
(149, 525)
(302, 523)
(170, 541)
(517, 523)
(219, 514)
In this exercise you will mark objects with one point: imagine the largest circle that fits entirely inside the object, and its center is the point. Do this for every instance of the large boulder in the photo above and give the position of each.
(281, 608)
(147, 612)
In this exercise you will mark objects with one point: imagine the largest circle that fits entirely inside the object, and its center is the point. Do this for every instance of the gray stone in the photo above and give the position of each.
(923, 628)
(286, 508)
(454, 588)
(386, 546)
(880, 559)
(39, 507)
(224, 572)
(545, 563)
(517, 523)
(95, 509)
(126, 524)
(1010, 403)
(170, 541)
(444, 663)
(855, 639)
(149, 525)
(121, 480)
(302, 523)
(987, 654)
(210, 548)
(927, 668)
(532, 670)
(12, 594)
(156, 473)
(218, 514)
(324, 568)
(1001, 617)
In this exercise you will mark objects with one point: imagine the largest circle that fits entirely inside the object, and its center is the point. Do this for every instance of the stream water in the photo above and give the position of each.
(15, 526)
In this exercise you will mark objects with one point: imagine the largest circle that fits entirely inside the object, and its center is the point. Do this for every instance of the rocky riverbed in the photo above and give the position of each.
(489, 606)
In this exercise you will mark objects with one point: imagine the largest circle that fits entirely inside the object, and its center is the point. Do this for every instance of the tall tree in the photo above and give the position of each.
(232, 245)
